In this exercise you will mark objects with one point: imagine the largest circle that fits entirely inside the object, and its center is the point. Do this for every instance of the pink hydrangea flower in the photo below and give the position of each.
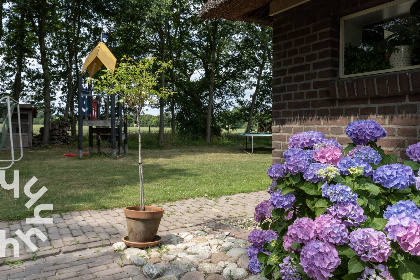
(301, 231)
(330, 229)
(406, 231)
(331, 155)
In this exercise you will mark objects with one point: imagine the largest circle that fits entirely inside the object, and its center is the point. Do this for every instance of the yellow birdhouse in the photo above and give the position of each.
(100, 55)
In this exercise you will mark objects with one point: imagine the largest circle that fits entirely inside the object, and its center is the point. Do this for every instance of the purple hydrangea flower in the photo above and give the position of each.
(378, 272)
(328, 155)
(254, 265)
(370, 245)
(338, 193)
(330, 229)
(347, 163)
(311, 175)
(273, 187)
(288, 269)
(395, 175)
(418, 183)
(366, 154)
(407, 207)
(405, 229)
(271, 235)
(263, 211)
(413, 152)
(257, 237)
(318, 259)
(363, 132)
(328, 143)
(351, 213)
(305, 139)
(253, 250)
(298, 153)
(301, 231)
(282, 201)
(276, 171)
(294, 165)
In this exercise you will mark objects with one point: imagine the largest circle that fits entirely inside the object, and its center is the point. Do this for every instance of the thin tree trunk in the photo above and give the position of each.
(142, 204)
(212, 74)
(256, 92)
(17, 84)
(172, 115)
(1, 17)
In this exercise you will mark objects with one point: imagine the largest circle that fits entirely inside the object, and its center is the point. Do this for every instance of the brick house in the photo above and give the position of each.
(310, 89)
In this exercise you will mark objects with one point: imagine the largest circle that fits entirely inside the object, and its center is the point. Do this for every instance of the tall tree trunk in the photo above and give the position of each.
(40, 30)
(17, 84)
(212, 74)
(70, 92)
(77, 28)
(1, 17)
(173, 115)
(256, 92)
(142, 203)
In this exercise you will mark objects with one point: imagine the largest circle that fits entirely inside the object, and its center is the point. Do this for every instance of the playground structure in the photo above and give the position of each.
(7, 107)
(101, 114)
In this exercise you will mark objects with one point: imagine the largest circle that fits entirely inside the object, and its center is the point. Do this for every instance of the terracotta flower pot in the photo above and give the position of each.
(143, 225)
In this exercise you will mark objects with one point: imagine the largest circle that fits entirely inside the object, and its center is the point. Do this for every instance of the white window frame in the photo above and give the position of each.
(342, 45)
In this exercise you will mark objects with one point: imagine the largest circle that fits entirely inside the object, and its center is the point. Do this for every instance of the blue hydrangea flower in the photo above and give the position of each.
(288, 269)
(413, 152)
(407, 207)
(294, 165)
(305, 139)
(366, 154)
(311, 174)
(347, 163)
(395, 175)
(276, 171)
(273, 187)
(363, 132)
(253, 250)
(254, 265)
(338, 193)
(328, 143)
(282, 201)
(298, 153)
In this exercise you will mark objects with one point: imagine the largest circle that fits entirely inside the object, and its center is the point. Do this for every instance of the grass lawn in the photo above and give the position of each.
(98, 181)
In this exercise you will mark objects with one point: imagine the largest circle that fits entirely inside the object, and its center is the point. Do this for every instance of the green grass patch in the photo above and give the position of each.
(101, 182)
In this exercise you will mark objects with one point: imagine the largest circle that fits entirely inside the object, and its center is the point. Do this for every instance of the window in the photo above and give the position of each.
(382, 39)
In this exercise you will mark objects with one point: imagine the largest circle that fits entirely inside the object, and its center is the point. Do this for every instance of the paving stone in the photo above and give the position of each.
(193, 275)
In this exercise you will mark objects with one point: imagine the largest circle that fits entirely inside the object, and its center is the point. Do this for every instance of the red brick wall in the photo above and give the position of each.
(308, 95)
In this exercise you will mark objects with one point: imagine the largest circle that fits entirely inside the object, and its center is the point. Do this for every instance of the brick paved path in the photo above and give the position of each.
(78, 242)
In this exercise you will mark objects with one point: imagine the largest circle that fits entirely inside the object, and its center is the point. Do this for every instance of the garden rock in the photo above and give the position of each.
(175, 271)
(134, 251)
(218, 257)
(209, 268)
(194, 275)
(243, 261)
(195, 250)
(136, 260)
(226, 246)
(152, 271)
(215, 277)
(168, 258)
(185, 266)
(119, 246)
(235, 273)
(236, 252)
(168, 277)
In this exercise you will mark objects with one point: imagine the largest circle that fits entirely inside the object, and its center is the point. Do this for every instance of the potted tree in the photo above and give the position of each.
(135, 83)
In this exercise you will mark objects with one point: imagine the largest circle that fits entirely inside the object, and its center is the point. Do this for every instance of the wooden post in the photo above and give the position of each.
(113, 136)
(80, 117)
(119, 127)
(90, 97)
(125, 136)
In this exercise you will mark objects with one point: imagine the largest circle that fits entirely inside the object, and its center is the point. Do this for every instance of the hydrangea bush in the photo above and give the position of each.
(349, 214)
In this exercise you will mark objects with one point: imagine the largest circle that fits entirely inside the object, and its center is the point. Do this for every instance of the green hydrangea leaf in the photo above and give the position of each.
(345, 250)
(356, 265)
(414, 165)
(409, 270)
(310, 188)
(379, 223)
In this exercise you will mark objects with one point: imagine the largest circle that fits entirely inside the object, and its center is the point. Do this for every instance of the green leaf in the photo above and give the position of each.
(409, 270)
(311, 203)
(267, 270)
(319, 211)
(262, 258)
(371, 188)
(414, 165)
(362, 201)
(295, 178)
(287, 190)
(295, 246)
(351, 277)
(374, 206)
(322, 202)
(379, 223)
(356, 265)
(339, 179)
(345, 250)
(349, 147)
(310, 188)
